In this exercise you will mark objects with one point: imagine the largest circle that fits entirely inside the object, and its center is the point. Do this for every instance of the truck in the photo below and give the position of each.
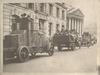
(25, 41)
(69, 39)
(64, 40)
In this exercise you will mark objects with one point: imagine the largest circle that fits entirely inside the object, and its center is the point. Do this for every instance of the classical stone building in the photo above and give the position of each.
(75, 19)
(48, 17)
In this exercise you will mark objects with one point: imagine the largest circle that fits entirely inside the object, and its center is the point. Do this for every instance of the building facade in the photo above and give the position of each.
(75, 19)
(48, 17)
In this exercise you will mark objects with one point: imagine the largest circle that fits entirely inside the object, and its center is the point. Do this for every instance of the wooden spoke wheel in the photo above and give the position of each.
(59, 48)
(51, 52)
(33, 54)
(23, 54)
(72, 46)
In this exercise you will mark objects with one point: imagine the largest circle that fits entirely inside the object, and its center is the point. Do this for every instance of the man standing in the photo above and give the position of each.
(24, 22)
(15, 22)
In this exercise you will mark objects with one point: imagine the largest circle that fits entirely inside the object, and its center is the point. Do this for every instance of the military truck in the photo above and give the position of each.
(64, 40)
(24, 41)
(67, 38)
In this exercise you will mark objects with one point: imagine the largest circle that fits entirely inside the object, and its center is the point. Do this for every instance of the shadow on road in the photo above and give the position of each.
(68, 50)
(13, 60)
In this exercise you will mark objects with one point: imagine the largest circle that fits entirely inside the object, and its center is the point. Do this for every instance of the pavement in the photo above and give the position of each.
(80, 60)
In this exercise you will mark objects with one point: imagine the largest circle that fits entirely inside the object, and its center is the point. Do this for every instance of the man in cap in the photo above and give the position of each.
(24, 22)
(15, 22)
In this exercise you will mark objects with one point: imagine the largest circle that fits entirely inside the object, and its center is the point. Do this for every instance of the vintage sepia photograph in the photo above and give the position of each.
(50, 37)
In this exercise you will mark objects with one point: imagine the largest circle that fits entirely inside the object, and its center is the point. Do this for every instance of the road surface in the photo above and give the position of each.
(79, 60)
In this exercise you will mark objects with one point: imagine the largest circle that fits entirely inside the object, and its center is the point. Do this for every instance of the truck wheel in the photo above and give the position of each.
(23, 54)
(33, 54)
(72, 46)
(59, 48)
(88, 45)
(79, 45)
(50, 52)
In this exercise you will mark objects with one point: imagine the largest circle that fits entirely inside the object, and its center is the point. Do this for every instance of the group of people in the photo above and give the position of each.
(67, 32)
(20, 22)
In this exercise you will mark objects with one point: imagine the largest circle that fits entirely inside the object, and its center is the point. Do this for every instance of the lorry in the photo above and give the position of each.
(24, 41)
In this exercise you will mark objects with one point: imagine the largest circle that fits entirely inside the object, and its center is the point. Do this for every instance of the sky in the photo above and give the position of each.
(90, 10)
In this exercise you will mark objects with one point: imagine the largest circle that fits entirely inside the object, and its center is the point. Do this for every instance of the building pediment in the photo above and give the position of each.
(76, 12)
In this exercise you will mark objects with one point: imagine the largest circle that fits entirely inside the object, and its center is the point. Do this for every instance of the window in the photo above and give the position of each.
(31, 5)
(57, 27)
(50, 28)
(41, 24)
(63, 14)
(57, 12)
(50, 9)
(42, 7)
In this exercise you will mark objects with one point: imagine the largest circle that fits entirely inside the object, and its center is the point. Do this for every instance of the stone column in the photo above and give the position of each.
(81, 26)
(72, 23)
(69, 24)
(76, 24)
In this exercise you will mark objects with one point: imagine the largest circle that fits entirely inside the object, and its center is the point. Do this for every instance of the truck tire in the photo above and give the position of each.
(88, 44)
(50, 49)
(33, 54)
(23, 54)
(51, 52)
(79, 45)
(59, 48)
(72, 46)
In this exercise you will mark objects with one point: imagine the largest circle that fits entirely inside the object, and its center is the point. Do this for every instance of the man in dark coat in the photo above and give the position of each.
(24, 22)
(15, 22)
